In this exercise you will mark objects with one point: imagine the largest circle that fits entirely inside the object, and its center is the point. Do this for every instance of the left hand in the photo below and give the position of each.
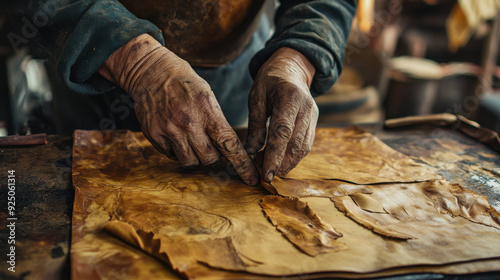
(281, 92)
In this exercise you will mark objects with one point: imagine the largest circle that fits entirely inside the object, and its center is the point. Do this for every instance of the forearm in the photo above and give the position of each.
(77, 36)
(318, 30)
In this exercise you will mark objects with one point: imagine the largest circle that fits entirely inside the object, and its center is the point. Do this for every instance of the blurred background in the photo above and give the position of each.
(403, 57)
(419, 57)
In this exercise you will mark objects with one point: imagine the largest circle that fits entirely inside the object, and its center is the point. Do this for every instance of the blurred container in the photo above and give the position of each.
(412, 87)
(488, 114)
(421, 86)
(453, 91)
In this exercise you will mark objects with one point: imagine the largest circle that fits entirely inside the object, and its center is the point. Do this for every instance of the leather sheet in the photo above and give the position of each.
(132, 204)
(354, 155)
(301, 226)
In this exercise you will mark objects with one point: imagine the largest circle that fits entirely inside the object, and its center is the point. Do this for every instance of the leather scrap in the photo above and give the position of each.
(423, 211)
(368, 203)
(299, 224)
(185, 252)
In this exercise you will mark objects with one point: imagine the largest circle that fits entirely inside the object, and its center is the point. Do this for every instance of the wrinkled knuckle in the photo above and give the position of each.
(184, 64)
(294, 92)
(208, 106)
(309, 103)
(229, 144)
(295, 147)
(283, 131)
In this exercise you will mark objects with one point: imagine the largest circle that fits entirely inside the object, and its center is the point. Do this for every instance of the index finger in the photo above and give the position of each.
(281, 129)
(230, 146)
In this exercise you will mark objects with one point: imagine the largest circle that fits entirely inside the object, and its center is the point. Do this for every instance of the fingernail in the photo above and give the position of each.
(254, 181)
(269, 176)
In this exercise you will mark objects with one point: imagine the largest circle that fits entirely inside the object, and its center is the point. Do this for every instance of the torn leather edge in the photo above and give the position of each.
(307, 211)
(339, 204)
(152, 244)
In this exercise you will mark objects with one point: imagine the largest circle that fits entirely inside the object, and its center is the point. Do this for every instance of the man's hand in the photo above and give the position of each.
(177, 109)
(281, 92)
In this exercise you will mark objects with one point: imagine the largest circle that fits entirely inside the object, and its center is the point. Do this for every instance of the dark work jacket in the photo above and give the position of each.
(78, 36)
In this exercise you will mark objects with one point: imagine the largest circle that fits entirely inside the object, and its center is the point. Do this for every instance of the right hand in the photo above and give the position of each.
(178, 111)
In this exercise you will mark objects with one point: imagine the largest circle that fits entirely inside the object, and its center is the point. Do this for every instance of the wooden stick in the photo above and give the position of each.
(24, 140)
(437, 119)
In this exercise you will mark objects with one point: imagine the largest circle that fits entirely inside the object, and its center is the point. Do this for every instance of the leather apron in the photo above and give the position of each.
(206, 33)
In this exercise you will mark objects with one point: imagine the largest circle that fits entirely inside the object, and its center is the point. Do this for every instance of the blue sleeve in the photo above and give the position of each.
(76, 36)
(317, 29)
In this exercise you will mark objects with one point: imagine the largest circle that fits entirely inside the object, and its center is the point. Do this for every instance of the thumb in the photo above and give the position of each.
(257, 119)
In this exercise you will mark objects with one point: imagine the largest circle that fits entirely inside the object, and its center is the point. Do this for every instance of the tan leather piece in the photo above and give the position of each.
(422, 211)
(207, 224)
(354, 155)
(315, 188)
(368, 203)
(299, 224)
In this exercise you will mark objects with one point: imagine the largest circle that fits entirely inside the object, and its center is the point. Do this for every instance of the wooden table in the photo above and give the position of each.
(44, 193)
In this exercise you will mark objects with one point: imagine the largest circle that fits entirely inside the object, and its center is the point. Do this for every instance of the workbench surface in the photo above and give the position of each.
(44, 193)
